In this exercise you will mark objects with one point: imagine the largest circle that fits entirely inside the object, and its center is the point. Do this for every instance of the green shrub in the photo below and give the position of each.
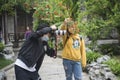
(110, 49)
(92, 56)
(60, 46)
(52, 45)
(114, 65)
(1, 46)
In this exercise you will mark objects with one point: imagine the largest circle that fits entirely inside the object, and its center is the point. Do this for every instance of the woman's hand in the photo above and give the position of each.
(53, 27)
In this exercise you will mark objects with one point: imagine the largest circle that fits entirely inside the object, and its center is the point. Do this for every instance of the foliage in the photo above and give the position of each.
(55, 11)
(60, 45)
(92, 56)
(9, 6)
(110, 49)
(95, 17)
(72, 7)
(1, 46)
(51, 43)
(114, 65)
(98, 17)
(4, 62)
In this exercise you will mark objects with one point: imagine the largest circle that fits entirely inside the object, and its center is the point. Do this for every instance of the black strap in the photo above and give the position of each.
(66, 41)
(81, 38)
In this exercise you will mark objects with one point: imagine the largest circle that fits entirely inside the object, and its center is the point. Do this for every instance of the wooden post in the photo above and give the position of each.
(5, 27)
(15, 30)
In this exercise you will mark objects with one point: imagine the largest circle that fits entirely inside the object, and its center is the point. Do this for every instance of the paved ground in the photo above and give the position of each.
(52, 69)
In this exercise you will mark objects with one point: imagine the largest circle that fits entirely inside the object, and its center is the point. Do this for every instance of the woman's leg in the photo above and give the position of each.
(68, 69)
(77, 71)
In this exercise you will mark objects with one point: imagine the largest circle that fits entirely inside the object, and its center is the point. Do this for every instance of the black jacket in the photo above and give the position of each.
(32, 48)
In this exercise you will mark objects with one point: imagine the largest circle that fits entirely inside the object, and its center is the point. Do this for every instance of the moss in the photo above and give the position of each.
(4, 62)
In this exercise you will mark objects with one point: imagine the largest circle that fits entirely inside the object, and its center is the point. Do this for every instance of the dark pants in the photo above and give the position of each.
(22, 74)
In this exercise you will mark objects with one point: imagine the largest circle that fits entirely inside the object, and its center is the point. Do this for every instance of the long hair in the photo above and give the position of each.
(74, 24)
(67, 23)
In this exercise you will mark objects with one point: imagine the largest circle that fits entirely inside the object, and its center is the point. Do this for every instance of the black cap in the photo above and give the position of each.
(42, 25)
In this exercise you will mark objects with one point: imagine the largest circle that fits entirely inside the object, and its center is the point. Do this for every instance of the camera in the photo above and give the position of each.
(53, 41)
(58, 32)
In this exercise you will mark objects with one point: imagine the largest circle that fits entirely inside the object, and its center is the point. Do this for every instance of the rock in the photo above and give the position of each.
(104, 65)
(110, 76)
(88, 50)
(8, 51)
(98, 71)
(3, 75)
(8, 56)
(1, 55)
(103, 59)
(107, 69)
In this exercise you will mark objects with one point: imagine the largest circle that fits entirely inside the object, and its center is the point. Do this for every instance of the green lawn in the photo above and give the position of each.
(4, 62)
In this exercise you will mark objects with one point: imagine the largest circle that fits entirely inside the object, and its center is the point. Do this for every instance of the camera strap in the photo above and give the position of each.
(68, 34)
(66, 41)
(55, 54)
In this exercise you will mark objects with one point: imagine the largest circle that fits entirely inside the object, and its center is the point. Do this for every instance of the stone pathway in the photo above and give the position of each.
(52, 69)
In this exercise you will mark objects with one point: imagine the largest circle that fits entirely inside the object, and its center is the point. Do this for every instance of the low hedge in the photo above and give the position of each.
(110, 49)
(92, 56)
(114, 65)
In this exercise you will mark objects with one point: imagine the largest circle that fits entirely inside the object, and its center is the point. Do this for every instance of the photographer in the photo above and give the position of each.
(32, 53)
